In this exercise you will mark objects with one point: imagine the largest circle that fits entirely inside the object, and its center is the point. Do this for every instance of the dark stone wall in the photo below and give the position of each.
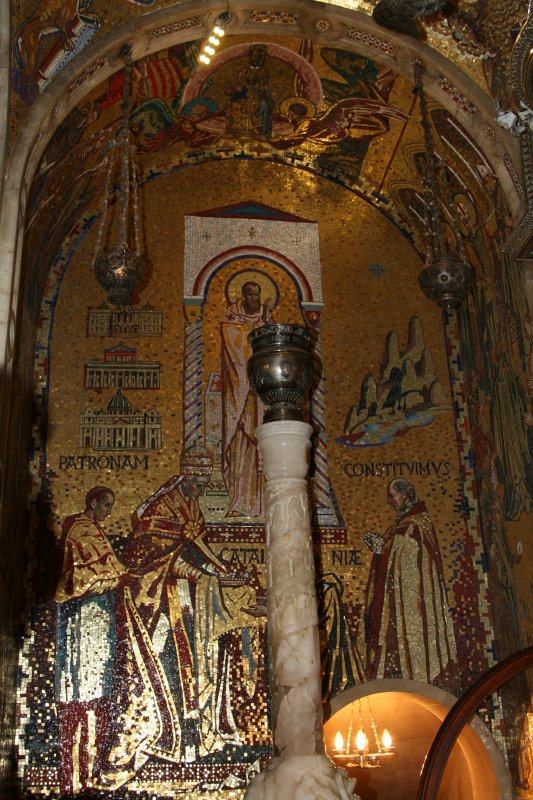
(17, 393)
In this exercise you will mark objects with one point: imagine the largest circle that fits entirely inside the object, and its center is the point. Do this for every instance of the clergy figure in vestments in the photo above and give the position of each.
(240, 411)
(409, 632)
(186, 607)
(115, 706)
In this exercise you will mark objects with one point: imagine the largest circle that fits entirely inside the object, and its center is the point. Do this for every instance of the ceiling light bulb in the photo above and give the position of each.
(361, 740)
(338, 743)
(218, 31)
(214, 41)
(210, 50)
(386, 740)
(204, 59)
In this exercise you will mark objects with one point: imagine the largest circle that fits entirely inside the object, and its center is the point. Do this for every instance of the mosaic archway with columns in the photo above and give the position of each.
(259, 235)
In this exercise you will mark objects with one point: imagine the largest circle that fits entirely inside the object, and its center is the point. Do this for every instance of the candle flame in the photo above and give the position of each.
(338, 743)
(360, 740)
(386, 739)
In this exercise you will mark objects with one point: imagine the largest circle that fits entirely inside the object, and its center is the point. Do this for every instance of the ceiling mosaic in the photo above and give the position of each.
(462, 30)
(48, 34)
(324, 110)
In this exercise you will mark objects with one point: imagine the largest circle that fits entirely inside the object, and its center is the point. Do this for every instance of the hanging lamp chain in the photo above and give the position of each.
(429, 171)
(119, 268)
(374, 727)
(105, 201)
(124, 145)
(446, 278)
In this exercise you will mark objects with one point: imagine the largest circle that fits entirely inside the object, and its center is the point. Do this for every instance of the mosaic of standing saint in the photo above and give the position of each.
(189, 604)
(409, 631)
(240, 403)
(115, 704)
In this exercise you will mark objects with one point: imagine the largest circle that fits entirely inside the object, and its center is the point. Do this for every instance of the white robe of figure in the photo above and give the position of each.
(240, 413)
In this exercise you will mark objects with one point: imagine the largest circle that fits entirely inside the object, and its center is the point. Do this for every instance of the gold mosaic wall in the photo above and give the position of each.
(301, 183)
(353, 236)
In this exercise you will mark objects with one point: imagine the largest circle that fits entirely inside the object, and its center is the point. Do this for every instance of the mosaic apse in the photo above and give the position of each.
(143, 669)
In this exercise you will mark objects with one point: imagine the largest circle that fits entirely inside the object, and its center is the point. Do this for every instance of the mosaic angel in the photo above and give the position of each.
(352, 118)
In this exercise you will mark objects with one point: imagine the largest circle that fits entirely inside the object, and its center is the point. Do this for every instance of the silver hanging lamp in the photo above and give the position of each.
(119, 267)
(447, 279)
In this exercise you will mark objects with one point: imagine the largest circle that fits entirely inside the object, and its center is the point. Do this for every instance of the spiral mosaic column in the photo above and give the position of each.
(192, 376)
(318, 419)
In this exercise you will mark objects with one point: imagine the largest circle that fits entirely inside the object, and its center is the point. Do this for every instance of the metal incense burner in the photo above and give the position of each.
(281, 369)
(447, 281)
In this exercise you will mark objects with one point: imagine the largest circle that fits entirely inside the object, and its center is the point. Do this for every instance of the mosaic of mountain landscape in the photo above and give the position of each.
(406, 394)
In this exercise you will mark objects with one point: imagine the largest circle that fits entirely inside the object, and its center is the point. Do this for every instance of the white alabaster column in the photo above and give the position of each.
(299, 770)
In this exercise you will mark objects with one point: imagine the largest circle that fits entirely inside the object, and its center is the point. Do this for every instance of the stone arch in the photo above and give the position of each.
(478, 742)
(203, 279)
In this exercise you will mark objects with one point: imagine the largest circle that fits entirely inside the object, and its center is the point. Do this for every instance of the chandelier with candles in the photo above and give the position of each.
(359, 748)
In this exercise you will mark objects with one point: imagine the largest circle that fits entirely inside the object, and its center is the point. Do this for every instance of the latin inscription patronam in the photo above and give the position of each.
(115, 463)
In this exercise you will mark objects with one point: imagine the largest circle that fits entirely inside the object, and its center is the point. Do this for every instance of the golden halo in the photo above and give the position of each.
(303, 101)
(269, 289)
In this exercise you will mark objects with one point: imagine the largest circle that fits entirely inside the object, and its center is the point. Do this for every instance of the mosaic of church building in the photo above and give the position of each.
(120, 369)
(107, 321)
(143, 670)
